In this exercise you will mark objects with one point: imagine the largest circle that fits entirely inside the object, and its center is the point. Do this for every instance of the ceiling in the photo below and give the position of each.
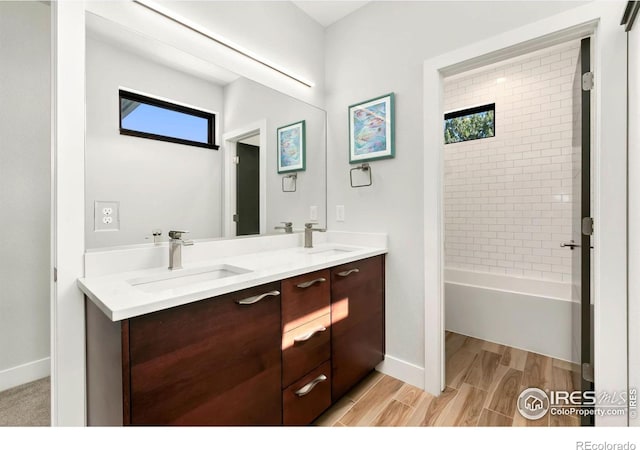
(328, 12)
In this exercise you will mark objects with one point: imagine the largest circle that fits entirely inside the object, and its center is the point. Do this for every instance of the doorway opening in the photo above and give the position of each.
(247, 161)
(245, 190)
(516, 188)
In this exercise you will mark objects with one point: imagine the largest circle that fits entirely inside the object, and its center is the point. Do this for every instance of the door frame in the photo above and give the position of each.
(68, 393)
(229, 141)
(601, 22)
(584, 251)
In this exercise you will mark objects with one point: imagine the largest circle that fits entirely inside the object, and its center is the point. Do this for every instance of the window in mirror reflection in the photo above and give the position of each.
(150, 118)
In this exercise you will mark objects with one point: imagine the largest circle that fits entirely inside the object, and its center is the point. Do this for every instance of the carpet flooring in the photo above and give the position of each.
(27, 405)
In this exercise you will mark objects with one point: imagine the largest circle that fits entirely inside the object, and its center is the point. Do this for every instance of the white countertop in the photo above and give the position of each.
(119, 299)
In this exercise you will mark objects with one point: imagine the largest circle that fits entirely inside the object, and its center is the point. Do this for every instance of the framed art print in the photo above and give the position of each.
(371, 129)
(291, 147)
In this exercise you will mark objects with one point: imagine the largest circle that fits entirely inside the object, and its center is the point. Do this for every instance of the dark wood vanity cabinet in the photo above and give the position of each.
(357, 322)
(280, 353)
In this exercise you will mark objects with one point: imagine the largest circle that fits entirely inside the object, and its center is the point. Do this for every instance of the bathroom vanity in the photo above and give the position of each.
(242, 331)
(277, 342)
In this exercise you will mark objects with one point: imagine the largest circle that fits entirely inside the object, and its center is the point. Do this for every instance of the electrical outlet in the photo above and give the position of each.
(313, 213)
(339, 213)
(106, 216)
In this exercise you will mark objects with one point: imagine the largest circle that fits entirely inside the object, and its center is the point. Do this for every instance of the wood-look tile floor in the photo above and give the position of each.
(483, 382)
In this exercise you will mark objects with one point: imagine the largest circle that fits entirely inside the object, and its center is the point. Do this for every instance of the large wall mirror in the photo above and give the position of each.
(135, 183)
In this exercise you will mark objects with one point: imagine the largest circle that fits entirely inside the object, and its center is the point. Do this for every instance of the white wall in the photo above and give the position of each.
(247, 102)
(508, 198)
(404, 34)
(25, 191)
(158, 184)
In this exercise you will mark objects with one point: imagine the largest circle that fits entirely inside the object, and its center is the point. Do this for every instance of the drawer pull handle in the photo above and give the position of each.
(307, 284)
(346, 273)
(257, 298)
(309, 335)
(304, 390)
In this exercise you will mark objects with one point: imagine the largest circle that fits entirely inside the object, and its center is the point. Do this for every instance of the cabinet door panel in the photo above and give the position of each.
(357, 315)
(212, 362)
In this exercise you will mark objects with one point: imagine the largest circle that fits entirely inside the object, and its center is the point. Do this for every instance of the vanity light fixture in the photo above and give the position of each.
(165, 12)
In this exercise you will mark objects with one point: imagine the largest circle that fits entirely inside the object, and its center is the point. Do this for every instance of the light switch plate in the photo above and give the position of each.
(339, 213)
(313, 213)
(106, 216)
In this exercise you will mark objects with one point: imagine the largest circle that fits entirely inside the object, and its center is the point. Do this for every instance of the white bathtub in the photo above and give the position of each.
(533, 315)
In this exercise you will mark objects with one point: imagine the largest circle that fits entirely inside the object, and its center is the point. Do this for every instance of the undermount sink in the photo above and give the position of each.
(185, 277)
(329, 251)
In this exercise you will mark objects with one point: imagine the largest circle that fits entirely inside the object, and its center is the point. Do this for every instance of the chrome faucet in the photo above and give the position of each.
(308, 234)
(175, 248)
(288, 227)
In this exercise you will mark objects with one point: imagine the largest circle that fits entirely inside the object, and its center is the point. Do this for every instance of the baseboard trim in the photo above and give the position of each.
(25, 373)
(402, 370)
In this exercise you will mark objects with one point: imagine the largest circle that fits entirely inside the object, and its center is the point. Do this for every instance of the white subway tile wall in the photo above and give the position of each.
(508, 199)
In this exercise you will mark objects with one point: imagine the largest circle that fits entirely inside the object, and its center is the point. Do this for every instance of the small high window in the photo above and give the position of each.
(469, 124)
(151, 118)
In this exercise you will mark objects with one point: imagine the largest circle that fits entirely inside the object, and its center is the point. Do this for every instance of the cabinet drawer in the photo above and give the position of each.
(357, 273)
(307, 398)
(305, 348)
(305, 298)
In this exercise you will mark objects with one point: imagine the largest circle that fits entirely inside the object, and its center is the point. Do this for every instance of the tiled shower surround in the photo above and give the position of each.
(508, 198)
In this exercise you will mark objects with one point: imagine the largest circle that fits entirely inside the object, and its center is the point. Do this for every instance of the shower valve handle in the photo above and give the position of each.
(572, 244)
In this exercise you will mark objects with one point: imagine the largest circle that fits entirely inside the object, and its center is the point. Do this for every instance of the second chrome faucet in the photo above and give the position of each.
(175, 248)
(287, 227)
(308, 234)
